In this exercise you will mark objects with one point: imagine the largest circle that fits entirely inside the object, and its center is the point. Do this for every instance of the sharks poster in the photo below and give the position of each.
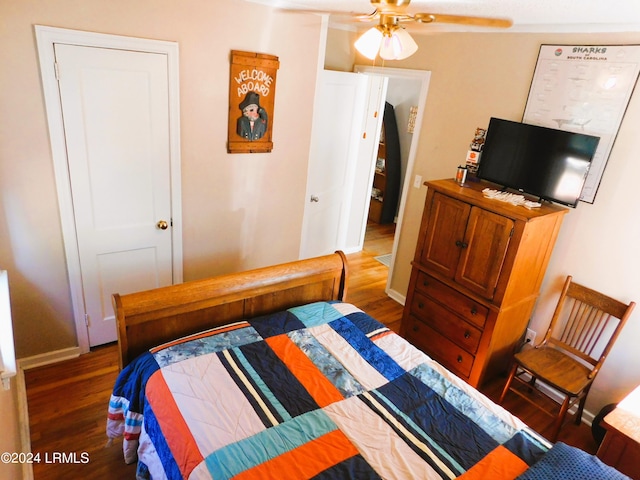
(584, 89)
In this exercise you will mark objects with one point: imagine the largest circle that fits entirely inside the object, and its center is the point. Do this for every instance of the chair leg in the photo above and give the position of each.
(559, 419)
(512, 374)
(583, 400)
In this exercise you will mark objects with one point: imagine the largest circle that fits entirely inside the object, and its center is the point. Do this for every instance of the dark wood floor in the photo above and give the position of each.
(67, 401)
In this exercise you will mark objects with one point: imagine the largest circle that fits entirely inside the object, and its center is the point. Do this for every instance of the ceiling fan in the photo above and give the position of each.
(392, 42)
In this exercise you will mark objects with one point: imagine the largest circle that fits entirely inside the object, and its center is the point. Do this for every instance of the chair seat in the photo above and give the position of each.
(555, 368)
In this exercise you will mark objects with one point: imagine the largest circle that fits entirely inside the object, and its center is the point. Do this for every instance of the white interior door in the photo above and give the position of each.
(116, 122)
(337, 138)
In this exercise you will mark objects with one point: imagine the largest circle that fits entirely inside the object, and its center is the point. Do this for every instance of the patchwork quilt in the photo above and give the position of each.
(318, 391)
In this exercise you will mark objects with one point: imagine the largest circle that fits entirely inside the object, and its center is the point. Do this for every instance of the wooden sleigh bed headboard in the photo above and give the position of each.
(153, 317)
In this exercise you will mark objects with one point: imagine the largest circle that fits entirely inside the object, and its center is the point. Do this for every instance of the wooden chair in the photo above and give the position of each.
(583, 329)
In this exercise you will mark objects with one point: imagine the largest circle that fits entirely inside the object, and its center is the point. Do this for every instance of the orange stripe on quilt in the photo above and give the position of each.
(305, 461)
(208, 333)
(499, 464)
(380, 335)
(318, 386)
(175, 430)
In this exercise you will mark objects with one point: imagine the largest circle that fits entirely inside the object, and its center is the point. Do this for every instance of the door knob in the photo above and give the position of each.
(315, 198)
(162, 225)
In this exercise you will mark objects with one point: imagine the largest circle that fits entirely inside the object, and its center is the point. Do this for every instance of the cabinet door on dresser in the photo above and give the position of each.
(467, 244)
(483, 250)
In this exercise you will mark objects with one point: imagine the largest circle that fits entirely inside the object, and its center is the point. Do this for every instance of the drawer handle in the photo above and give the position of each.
(425, 283)
(459, 358)
(461, 244)
(420, 305)
(474, 311)
(467, 334)
(416, 328)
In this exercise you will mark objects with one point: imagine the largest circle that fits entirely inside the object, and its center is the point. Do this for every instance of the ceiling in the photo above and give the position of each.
(527, 15)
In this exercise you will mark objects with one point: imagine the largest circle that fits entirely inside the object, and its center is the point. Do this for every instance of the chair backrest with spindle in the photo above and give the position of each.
(586, 323)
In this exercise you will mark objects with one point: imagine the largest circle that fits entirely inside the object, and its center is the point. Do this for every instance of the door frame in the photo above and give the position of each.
(425, 77)
(46, 37)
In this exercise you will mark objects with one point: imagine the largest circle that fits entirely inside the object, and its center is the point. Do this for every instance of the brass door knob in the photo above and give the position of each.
(162, 225)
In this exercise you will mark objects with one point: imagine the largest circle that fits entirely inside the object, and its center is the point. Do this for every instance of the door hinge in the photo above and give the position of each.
(56, 71)
(86, 319)
(511, 232)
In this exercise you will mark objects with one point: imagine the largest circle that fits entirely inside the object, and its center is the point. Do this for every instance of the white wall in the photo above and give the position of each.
(475, 76)
(231, 202)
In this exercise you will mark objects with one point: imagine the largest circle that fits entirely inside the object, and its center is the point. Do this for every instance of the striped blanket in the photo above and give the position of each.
(318, 391)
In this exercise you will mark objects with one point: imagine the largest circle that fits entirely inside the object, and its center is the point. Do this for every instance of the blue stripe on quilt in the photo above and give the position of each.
(419, 434)
(132, 380)
(440, 420)
(264, 404)
(330, 367)
(468, 406)
(279, 380)
(374, 355)
(214, 343)
(159, 442)
(364, 322)
(415, 438)
(316, 314)
(524, 446)
(276, 324)
(354, 467)
(263, 446)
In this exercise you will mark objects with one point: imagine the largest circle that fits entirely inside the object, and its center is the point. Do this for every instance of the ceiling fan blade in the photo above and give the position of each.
(463, 20)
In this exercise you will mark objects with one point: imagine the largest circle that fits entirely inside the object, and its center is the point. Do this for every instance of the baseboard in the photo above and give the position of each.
(48, 358)
(398, 297)
(23, 422)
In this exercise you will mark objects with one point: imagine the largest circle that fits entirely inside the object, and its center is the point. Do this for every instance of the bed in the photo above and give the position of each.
(272, 374)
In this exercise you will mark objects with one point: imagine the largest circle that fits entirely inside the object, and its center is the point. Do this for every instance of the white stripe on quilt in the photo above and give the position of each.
(405, 354)
(367, 431)
(428, 449)
(148, 455)
(361, 370)
(211, 404)
(248, 385)
(263, 387)
(345, 308)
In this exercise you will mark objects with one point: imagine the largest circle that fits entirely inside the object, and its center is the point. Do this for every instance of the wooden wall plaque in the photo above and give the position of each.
(252, 91)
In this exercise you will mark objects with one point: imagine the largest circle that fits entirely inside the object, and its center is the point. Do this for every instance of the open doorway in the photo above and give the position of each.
(407, 93)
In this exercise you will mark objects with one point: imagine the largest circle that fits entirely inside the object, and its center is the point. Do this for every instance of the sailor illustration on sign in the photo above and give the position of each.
(252, 125)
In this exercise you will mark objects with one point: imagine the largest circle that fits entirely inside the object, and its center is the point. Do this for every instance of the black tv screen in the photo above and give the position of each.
(544, 162)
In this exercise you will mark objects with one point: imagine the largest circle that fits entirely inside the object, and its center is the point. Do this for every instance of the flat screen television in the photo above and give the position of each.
(544, 162)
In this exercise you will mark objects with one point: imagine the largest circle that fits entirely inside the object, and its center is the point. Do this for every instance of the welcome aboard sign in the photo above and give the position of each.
(252, 88)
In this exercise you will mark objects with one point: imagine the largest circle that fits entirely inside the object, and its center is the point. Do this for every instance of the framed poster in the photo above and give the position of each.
(252, 91)
(584, 89)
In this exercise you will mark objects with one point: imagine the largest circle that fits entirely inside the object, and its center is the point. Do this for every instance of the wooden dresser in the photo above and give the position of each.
(475, 278)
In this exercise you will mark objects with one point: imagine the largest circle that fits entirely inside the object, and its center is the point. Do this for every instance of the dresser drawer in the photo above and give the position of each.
(459, 303)
(440, 348)
(447, 323)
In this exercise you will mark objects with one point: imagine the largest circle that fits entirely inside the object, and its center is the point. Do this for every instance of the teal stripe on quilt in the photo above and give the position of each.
(393, 410)
(493, 426)
(233, 459)
(264, 389)
(316, 314)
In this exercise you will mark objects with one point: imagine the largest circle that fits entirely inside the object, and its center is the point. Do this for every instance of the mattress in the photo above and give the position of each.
(317, 391)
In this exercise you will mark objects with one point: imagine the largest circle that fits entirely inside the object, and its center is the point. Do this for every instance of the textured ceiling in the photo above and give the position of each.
(527, 15)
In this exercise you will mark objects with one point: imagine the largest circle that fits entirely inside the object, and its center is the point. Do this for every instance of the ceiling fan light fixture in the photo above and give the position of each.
(404, 44)
(369, 43)
(389, 41)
